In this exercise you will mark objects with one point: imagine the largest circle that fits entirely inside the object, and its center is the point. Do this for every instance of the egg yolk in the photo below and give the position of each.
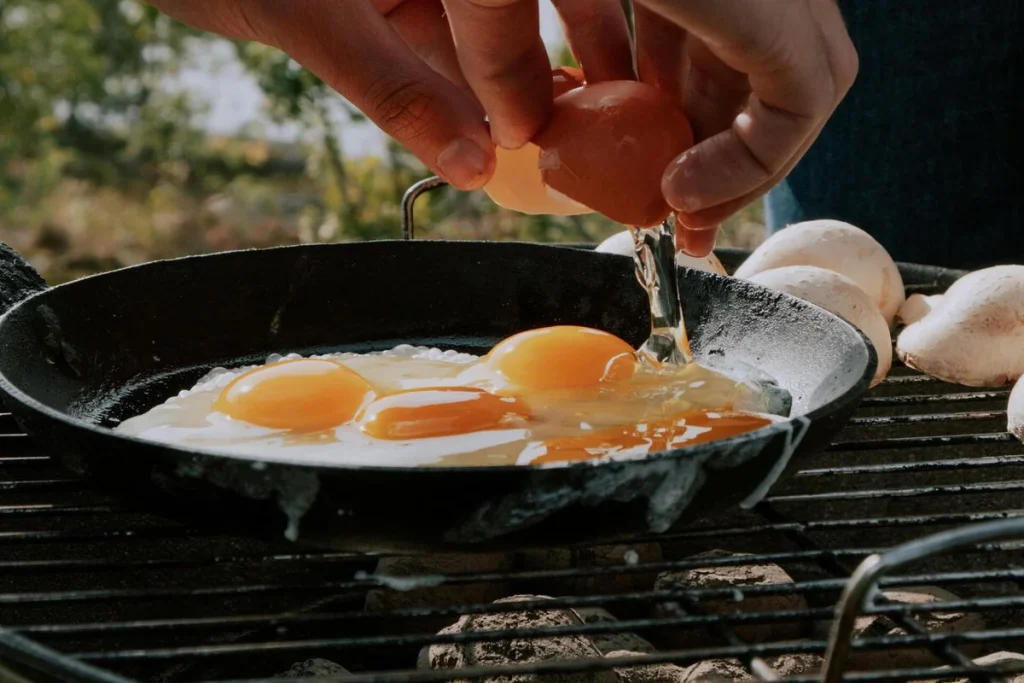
(301, 395)
(442, 411)
(685, 429)
(563, 357)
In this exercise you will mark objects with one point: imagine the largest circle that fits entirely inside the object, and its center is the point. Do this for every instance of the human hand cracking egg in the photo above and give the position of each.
(461, 82)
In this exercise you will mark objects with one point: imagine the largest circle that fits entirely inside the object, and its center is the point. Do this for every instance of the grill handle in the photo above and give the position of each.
(862, 586)
(409, 203)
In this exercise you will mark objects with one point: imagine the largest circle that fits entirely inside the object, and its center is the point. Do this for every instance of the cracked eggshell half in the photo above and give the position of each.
(604, 149)
(973, 334)
(622, 243)
(839, 295)
(516, 183)
(837, 246)
(607, 146)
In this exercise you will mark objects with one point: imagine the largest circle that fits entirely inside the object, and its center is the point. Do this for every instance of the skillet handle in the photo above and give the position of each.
(18, 279)
(409, 203)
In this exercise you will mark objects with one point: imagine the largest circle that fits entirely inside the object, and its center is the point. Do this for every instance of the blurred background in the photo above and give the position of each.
(126, 137)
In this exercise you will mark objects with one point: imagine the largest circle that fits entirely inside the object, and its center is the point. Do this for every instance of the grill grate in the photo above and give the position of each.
(93, 591)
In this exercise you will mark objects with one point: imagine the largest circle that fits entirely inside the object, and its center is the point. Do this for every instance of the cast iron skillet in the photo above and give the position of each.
(78, 357)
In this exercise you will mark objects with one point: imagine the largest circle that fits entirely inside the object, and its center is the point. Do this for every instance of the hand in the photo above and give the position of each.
(758, 80)
(398, 62)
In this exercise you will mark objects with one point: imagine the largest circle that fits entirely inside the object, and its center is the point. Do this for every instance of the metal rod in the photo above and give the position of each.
(409, 203)
(864, 581)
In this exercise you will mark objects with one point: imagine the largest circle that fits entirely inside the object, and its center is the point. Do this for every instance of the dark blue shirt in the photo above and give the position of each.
(925, 151)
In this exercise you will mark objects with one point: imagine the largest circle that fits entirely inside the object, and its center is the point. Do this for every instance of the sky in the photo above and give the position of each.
(233, 99)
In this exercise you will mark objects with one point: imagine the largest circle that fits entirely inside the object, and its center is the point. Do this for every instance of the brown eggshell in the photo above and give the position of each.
(516, 183)
(607, 145)
(566, 78)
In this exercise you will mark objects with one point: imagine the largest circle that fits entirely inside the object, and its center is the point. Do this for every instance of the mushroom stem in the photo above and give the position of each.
(1015, 411)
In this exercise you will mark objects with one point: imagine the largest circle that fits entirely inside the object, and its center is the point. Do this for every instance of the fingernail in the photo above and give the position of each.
(507, 139)
(677, 186)
(696, 243)
(464, 164)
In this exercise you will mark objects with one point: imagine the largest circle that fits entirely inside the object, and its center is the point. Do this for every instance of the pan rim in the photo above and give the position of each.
(851, 394)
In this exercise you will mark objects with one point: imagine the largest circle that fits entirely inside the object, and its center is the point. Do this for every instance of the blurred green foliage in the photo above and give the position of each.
(102, 164)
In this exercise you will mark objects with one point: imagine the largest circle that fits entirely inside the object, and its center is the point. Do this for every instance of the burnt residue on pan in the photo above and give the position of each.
(18, 279)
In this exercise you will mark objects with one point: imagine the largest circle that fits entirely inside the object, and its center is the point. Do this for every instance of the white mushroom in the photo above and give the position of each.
(916, 307)
(622, 243)
(839, 295)
(1015, 411)
(836, 246)
(974, 334)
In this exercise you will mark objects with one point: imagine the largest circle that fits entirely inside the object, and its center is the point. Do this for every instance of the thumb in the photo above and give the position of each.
(696, 242)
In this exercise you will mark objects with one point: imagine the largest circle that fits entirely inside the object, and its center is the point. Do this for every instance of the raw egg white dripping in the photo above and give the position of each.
(548, 396)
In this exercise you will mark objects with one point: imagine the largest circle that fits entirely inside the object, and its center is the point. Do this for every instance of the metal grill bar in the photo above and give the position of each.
(100, 564)
(811, 646)
(927, 399)
(821, 585)
(911, 379)
(75, 536)
(815, 646)
(18, 460)
(888, 420)
(56, 509)
(11, 485)
(922, 442)
(711, 532)
(986, 487)
(295, 620)
(920, 466)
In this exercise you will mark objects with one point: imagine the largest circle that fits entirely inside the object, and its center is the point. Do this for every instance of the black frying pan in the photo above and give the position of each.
(75, 357)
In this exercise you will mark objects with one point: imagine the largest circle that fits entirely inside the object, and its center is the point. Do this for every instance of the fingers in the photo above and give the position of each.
(711, 92)
(598, 35)
(697, 242)
(717, 214)
(504, 60)
(799, 62)
(660, 51)
(729, 165)
(228, 19)
(424, 28)
(355, 51)
(715, 92)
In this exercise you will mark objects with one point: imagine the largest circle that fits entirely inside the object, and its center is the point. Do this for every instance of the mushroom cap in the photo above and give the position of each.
(916, 307)
(836, 246)
(974, 334)
(1015, 411)
(622, 243)
(840, 296)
